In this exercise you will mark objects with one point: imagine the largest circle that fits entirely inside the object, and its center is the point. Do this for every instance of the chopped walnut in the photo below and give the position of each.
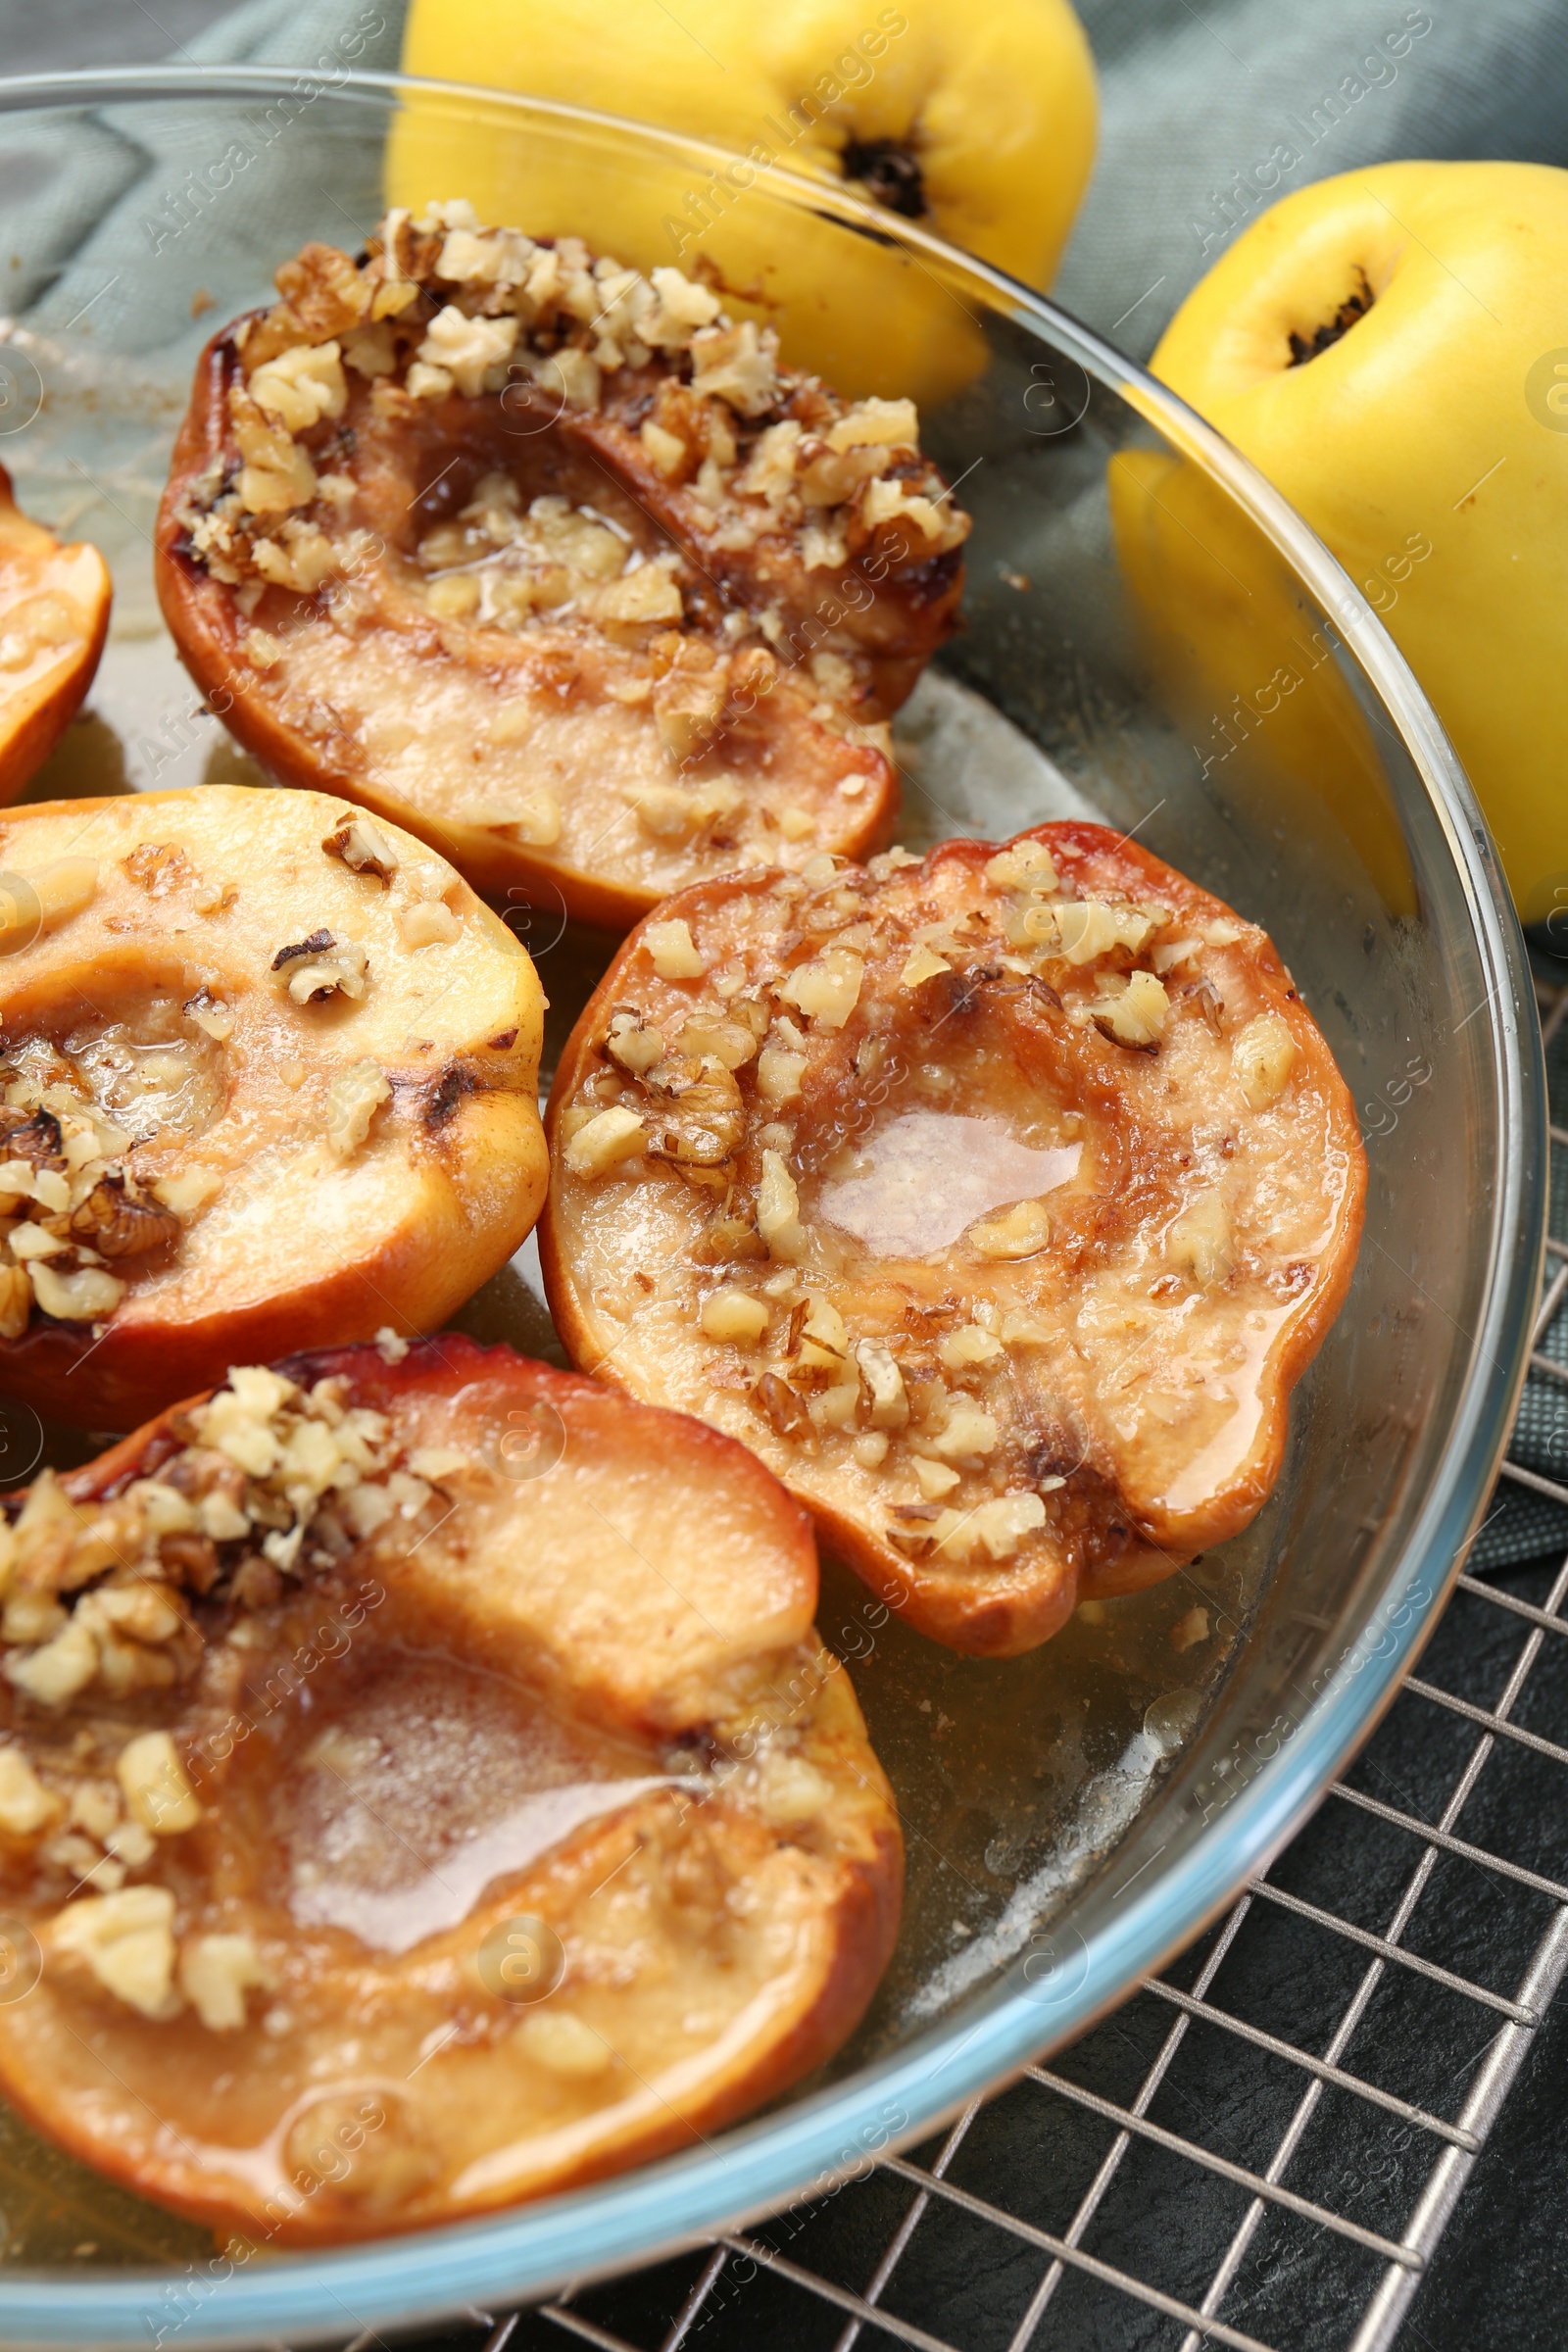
(60, 1668)
(469, 353)
(300, 385)
(63, 1154)
(326, 965)
(1189, 1630)
(605, 1141)
(155, 1789)
(778, 1210)
(127, 1941)
(829, 989)
(1009, 1245)
(967, 1432)
(356, 1095)
(934, 1479)
(967, 1346)
(118, 1222)
(211, 1015)
(671, 952)
(16, 1302)
(300, 557)
(1134, 1011)
(734, 1315)
(633, 1044)
(215, 1972)
(996, 1527)
(437, 312)
(738, 365)
(429, 924)
(363, 847)
(784, 1409)
(564, 2045)
(159, 867)
(84, 1297)
(189, 1190)
(277, 475)
(923, 964)
(27, 1806)
(95, 1592)
(1264, 1057)
(1200, 1243)
(1018, 1232)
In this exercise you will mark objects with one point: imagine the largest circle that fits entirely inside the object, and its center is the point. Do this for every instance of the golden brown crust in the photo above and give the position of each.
(740, 599)
(752, 1873)
(777, 731)
(898, 628)
(1121, 1345)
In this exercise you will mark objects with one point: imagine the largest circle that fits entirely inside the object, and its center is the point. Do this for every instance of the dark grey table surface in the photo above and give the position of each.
(1499, 2280)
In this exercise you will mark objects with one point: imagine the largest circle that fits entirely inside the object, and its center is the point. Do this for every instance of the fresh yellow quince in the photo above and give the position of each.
(1390, 349)
(980, 123)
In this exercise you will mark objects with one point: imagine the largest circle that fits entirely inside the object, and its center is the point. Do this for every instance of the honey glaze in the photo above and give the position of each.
(929, 1174)
(996, 1199)
(427, 1781)
(369, 1809)
(610, 608)
(1018, 1779)
(406, 1817)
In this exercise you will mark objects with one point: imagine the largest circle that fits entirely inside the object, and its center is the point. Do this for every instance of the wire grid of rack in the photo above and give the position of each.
(1263, 2147)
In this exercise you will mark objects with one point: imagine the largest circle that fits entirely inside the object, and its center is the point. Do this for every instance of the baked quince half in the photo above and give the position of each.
(554, 565)
(267, 1075)
(423, 1788)
(54, 618)
(996, 1201)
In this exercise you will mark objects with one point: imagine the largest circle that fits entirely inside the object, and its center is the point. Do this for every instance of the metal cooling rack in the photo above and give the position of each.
(1263, 2147)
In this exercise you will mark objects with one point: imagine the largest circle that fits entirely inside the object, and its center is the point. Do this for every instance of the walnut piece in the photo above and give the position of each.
(323, 965)
(357, 1094)
(363, 847)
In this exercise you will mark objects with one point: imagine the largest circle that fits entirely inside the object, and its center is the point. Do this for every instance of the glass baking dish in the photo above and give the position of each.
(1151, 635)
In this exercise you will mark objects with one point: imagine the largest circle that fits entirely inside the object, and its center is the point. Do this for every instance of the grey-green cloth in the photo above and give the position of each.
(1208, 114)
(104, 178)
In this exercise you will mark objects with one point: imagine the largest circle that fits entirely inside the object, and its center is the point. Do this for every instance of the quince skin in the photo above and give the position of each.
(979, 124)
(54, 618)
(1388, 347)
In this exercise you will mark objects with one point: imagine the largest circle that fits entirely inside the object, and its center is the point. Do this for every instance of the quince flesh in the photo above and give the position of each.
(591, 631)
(515, 1831)
(979, 124)
(997, 1200)
(253, 1094)
(54, 618)
(1385, 345)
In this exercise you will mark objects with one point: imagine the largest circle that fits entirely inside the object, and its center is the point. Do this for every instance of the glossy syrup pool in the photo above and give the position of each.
(1014, 1779)
(428, 1781)
(921, 1180)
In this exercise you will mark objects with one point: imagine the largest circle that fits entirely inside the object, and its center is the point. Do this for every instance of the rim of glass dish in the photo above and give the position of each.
(681, 2200)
